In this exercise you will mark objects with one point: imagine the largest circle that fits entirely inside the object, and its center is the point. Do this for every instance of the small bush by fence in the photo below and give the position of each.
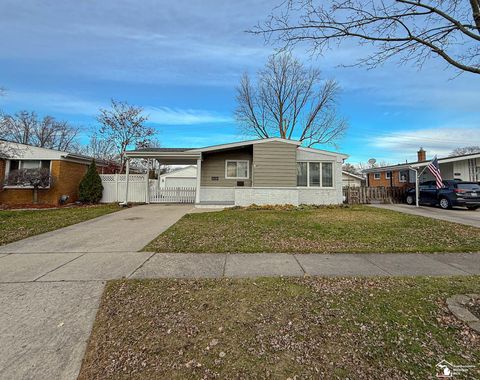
(364, 195)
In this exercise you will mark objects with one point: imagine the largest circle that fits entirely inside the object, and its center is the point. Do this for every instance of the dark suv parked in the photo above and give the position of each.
(454, 193)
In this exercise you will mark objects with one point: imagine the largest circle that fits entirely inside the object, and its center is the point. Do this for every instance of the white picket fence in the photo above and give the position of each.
(172, 194)
(142, 190)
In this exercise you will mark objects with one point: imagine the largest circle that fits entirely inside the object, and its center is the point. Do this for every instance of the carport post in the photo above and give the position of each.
(147, 183)
(199, 176)
(417, 192)
(127, 180)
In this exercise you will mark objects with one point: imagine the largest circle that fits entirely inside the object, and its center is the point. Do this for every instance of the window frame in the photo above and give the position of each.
(20, 167)
(400, 176)
(320, 173)
(388, 175)
(236, 161)
(379, 176)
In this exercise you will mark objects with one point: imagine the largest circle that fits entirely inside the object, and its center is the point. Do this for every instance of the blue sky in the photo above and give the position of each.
(181, 61)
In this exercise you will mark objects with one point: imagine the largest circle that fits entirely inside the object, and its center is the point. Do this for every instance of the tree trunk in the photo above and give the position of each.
(35, 195)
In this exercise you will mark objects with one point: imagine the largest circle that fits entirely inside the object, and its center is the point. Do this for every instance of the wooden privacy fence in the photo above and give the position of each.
(363, 195)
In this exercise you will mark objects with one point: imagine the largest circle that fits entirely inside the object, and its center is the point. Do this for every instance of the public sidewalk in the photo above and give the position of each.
(100, 266)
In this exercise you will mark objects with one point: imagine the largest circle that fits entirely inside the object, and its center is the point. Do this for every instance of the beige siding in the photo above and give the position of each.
(213, 165)
(274, 164)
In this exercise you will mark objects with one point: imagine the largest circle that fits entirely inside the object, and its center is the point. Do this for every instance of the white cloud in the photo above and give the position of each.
(177, 116)
(72, 105)
(436, 141)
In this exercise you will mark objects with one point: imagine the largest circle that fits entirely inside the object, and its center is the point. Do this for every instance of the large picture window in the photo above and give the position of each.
(327, 174)
(315, 174)
(302, 174)
(238, 169)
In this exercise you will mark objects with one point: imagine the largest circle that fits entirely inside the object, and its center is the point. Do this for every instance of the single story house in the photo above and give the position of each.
(264, 171)
(182, 177)
(465, 167)
(352, 180)
(66, 169)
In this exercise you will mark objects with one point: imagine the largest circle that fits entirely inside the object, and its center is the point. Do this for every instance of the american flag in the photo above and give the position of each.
(435, 170)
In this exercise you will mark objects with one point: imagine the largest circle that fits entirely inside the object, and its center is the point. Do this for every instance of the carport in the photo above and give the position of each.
(168, 156)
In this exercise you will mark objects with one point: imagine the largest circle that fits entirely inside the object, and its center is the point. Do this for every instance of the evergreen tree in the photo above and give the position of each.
(91, 188)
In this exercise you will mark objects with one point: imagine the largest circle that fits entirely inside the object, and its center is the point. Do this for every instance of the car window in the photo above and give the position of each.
(468, 186)
(427, 185)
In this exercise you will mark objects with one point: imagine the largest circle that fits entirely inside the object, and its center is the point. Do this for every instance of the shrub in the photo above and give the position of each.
(91, 188)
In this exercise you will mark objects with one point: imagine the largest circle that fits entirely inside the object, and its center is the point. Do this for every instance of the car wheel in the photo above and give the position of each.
(410, 200)
(473, 208)
(445, 203)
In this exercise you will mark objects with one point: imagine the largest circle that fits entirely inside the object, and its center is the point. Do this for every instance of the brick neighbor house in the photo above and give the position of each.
(67, 170)
(464, 167)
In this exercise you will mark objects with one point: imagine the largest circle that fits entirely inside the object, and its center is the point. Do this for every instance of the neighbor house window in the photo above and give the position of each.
(376, 175)
(388, 175)
(403, 176)
(315, 174)
(13, 165)
(238, 169)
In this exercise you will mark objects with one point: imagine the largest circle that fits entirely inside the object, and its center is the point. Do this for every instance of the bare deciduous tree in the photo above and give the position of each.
(124, 126)
(27, 128)
(350, 168)
(412, 30)
(465, 150)
(99, 148)
(291, 102)
(34, 178)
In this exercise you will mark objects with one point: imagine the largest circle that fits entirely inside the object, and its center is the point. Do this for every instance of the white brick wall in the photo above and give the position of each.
(217, 194)
(319, 196)
(265, 196)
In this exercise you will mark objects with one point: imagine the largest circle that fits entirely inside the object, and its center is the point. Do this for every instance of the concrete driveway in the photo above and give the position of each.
(127, 230)
(45, 321)
(455, 215)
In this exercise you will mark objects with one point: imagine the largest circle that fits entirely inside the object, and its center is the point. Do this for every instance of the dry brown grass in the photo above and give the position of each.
(311, 328)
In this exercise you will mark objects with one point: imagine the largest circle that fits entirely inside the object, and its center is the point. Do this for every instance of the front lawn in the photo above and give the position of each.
(311, 328)
(16, 225)
(312, 230)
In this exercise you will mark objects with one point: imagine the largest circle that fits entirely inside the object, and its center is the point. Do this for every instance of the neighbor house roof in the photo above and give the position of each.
(353, 175)
(417, 164)
(196, 152)
(21, 151)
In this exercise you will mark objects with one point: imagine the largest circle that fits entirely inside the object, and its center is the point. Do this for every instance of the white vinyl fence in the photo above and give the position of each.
(114, 188)
(142, 190)
(171, 194)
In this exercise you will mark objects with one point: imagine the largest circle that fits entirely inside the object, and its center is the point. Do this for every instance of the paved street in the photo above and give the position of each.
(455, 215)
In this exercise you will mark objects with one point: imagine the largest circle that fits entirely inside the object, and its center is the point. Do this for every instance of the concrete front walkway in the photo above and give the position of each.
(455, 215)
